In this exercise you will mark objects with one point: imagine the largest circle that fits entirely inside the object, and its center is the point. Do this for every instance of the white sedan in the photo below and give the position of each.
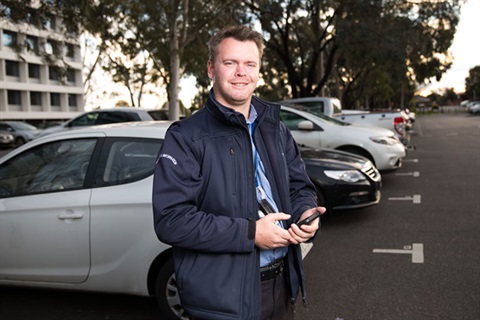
(66, 206)
(379, 145)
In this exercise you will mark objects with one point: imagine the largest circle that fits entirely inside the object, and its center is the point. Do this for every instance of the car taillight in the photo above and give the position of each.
(399, 125)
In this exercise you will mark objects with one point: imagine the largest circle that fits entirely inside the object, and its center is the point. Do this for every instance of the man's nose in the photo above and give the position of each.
(240, 72)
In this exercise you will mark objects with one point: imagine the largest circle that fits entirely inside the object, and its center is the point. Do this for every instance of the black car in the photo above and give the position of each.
(343, 180)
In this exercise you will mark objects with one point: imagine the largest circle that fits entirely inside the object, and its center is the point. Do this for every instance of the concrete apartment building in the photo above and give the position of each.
(40, 71)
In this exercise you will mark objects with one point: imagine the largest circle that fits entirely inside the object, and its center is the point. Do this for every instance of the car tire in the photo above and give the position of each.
(321, 199)
(166, 293)
(19, 141)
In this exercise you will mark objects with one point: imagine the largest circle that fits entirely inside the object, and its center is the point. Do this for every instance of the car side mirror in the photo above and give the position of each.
(305, 125)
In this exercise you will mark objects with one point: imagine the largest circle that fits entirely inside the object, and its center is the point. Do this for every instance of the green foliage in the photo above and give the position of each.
(472, 84)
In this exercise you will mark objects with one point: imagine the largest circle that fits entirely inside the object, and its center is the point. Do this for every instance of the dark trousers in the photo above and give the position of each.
(276, 304)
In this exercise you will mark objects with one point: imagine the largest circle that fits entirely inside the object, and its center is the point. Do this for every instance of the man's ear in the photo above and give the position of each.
(210, 70)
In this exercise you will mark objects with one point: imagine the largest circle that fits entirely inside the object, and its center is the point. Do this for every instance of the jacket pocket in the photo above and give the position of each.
(213, 283)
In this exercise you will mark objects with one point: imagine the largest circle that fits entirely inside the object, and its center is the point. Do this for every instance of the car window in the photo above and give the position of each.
(129, 160)
(314, 106)
(159, 114)
(116, 116)
(290, 119)
(85, 120)
(56, 166)
(5, 127)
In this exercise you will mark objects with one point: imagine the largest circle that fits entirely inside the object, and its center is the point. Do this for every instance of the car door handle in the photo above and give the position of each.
(67, 216)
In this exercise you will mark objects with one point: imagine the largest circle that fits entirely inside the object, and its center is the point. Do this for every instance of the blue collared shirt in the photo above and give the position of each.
(264, 191)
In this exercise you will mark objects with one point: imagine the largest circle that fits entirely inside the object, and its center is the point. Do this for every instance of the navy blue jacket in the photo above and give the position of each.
(205, 206)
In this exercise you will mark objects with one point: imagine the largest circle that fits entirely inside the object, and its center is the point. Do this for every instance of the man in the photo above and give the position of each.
(213, 170)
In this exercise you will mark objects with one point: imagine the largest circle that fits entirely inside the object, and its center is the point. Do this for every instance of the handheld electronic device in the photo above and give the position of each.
(265, 207)
(309, 219)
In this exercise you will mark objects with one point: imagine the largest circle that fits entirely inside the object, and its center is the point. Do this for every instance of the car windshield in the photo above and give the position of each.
(316, 112)
(22, 126)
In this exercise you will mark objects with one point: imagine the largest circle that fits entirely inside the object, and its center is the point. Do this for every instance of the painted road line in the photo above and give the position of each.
(414, 174)
(416, 250)
(415, 199)
(409, 160)
(306, 247)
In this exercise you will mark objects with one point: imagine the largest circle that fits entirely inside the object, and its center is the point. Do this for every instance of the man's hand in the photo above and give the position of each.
(306, 231)
(269, 235)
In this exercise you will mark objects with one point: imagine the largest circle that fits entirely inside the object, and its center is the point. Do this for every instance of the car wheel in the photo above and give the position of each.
(321, 199)
(20, 141)
(166, 292)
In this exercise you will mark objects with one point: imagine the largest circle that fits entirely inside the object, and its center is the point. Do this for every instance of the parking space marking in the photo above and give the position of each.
(416, 250)
(416, 198)
(414, 174)
(410, 160)
(306, 247)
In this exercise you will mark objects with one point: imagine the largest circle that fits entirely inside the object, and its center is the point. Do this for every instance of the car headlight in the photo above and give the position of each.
(351, 176)
(389, 141)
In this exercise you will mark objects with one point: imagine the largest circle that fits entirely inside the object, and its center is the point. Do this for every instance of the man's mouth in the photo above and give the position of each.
(239, 84)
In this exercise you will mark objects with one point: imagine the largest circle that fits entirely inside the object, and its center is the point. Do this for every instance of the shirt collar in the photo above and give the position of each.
(252, 115)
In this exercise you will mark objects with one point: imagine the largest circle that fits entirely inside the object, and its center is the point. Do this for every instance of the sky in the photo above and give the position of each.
(465, 50)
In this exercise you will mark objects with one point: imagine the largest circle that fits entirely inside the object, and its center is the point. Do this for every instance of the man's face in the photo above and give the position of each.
(235, 72)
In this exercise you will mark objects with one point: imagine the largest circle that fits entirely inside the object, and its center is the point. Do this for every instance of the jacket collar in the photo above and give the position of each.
(265, 110)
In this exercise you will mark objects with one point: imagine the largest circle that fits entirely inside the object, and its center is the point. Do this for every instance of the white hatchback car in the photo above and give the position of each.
(66, 206)
(379, 145)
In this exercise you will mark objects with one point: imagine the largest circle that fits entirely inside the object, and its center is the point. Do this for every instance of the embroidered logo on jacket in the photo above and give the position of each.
(167, 156)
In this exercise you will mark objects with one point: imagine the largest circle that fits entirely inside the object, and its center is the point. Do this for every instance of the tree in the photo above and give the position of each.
(355, 49)
(171, 34)
(472, 84)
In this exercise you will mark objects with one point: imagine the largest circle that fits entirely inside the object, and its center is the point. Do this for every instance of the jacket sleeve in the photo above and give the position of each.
(177, 186)
(302, 191)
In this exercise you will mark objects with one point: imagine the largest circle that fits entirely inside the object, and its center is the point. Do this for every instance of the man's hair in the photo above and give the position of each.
(239, 33)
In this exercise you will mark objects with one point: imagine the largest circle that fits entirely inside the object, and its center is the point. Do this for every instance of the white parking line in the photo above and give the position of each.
(415, 199)
(410, 160)
(416, 250)
(414, 174)
(306, 247)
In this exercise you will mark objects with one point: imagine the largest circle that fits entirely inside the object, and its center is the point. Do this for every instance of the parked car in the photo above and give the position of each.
(106, 116)
(393, 120)
(474, 108)
(317, 130)
(6, 140)
(77, 211)
(343, 180)
(22, 132)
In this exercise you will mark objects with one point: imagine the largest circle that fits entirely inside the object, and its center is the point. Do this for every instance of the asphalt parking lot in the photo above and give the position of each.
(412, 256)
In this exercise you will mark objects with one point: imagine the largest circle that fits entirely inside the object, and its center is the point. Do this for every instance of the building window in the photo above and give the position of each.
(53, 73)
(35, 98)
(34, 71)
(71, 75)
(9, 38)
(51, 47)
(31, 43)
(12, 68)
(54, 99)
(14, 97)
(69, 50)
(6, 11)
(72, 100)
(50, 22)
(33, 18)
